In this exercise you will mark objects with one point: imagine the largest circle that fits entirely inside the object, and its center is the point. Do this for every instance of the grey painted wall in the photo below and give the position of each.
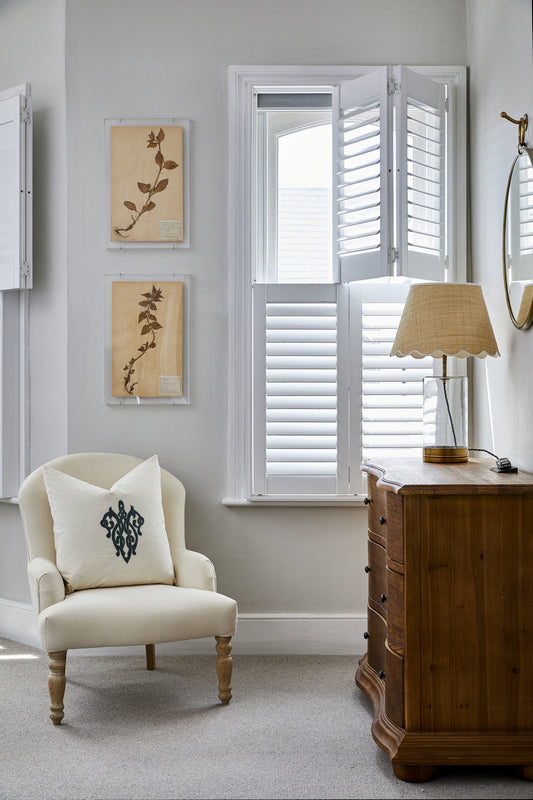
(501, 79)
(165, 58)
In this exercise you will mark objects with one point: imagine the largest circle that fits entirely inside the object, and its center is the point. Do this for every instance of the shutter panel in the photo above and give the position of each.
(520, 219)
(363, 154)
(15, 190)
(392, 386)
(420, 149)
(295, 403)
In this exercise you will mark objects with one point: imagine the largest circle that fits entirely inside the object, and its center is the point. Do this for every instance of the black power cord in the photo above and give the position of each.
(502, 464)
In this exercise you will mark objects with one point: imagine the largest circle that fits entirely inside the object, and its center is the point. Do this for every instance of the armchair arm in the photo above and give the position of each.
(46, 583)
(194, 571)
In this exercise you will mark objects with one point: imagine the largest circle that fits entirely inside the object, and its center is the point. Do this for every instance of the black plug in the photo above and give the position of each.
(503, 465)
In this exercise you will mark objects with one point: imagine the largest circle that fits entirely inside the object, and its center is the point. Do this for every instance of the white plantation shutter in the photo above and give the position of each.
(391, 386)
(15, 189)
(297, 403)
(520, 220)
(420, 150)
(363, 156)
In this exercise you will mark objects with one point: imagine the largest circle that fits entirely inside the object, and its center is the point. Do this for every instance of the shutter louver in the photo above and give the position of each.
(392, 387)
(362, 177)
(299, 449)
(421, 164)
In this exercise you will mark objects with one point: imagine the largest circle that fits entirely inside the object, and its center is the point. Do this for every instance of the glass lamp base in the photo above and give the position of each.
(445, 455)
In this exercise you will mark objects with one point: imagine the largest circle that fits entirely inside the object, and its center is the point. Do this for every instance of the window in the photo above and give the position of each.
(15, 276)
(348, 184)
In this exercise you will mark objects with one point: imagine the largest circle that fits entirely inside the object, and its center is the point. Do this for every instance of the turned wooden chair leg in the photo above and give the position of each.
(224, 667)
(150, 656)
(56, 684)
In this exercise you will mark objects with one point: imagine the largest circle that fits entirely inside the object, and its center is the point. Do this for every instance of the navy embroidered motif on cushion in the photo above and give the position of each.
(123, 529)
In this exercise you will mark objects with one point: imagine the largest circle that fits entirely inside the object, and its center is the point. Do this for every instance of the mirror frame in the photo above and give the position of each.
(524, 318)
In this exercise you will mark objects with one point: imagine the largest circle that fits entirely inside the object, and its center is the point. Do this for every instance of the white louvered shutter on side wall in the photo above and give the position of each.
(15, 190)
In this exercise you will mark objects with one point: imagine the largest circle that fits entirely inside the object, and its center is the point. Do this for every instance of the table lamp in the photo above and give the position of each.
(441, 320)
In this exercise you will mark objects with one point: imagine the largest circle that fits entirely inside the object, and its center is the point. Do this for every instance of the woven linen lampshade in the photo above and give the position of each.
(441, 320)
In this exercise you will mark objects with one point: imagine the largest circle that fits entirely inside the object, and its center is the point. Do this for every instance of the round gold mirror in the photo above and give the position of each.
(517, 249)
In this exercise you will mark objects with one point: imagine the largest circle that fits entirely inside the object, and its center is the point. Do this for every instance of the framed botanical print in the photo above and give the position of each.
(147, 339)
(147, 183)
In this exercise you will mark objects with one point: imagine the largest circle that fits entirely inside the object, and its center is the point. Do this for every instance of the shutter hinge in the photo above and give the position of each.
(25, 114)
(393, 87)
(393, 255)
(25, 269)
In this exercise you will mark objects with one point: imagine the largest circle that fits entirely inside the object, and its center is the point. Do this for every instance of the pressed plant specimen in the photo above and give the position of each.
(159, 184)
(149, 327)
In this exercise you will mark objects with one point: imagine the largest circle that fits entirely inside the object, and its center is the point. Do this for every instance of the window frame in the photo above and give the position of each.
(243, 81)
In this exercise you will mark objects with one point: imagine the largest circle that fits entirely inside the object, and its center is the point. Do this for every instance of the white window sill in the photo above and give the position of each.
(295, 500)
(14, 501)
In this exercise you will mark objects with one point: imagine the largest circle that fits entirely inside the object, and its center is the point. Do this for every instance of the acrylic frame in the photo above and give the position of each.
(153, 125)
(150, 280)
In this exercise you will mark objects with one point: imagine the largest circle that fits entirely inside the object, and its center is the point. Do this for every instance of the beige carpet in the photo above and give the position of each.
(297, 727)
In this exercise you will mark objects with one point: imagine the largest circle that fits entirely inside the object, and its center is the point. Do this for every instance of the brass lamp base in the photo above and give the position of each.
(446, 455)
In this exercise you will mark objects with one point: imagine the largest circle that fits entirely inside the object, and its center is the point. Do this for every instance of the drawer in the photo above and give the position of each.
(385, 518)
(377, 582)
(394, 604)
(394, 527)
(377, 507)
(377, 631)
(394, 699)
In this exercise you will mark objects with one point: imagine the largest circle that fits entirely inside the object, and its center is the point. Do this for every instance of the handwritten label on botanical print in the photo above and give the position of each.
(169, 385)
(170, 229)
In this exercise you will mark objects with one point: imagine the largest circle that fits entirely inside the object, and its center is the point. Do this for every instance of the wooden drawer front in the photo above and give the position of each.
(394, 527)
(394, 701)
(377, 631)
(394, 603)
(377, 508)
(377, 582)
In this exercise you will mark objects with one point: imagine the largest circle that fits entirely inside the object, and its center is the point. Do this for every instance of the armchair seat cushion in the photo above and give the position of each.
(133, 615)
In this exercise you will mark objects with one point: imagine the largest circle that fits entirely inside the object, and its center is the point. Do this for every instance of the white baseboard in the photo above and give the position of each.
(257, 634)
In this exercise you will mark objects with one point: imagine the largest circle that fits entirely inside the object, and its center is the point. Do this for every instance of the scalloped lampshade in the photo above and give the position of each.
(445, 319)
(441, 320)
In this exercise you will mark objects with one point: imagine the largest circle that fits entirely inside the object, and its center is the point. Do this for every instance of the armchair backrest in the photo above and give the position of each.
(100, 469)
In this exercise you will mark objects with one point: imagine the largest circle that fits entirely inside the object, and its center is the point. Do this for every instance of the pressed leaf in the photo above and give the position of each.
(170, 165)
(159, 160)
(153, 307)
(156, 326)
(150, 206)
(130, 205)
(161, 185)
(144, 187)
(142, 316)
(144, 303)
(146, 294)
(145, 329)
(152, 344)
(160, 135)
(152, 144)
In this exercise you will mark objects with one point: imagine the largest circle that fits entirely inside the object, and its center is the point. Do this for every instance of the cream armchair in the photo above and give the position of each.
(121, 615)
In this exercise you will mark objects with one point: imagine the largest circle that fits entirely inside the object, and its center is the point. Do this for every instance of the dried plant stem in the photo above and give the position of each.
(122, 231)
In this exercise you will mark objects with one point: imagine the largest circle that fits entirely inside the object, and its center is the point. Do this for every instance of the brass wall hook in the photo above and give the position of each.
(522, 127)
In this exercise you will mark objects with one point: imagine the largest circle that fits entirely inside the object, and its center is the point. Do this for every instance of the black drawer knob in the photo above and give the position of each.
(382, 520)
(367, 569)
(366, 635)
(383, 598)
(381, 674)
(366, 501)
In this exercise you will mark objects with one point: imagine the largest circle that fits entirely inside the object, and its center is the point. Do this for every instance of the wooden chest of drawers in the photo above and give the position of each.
(449, 662)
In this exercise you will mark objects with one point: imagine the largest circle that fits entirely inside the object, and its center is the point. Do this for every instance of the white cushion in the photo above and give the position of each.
(110, 537)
